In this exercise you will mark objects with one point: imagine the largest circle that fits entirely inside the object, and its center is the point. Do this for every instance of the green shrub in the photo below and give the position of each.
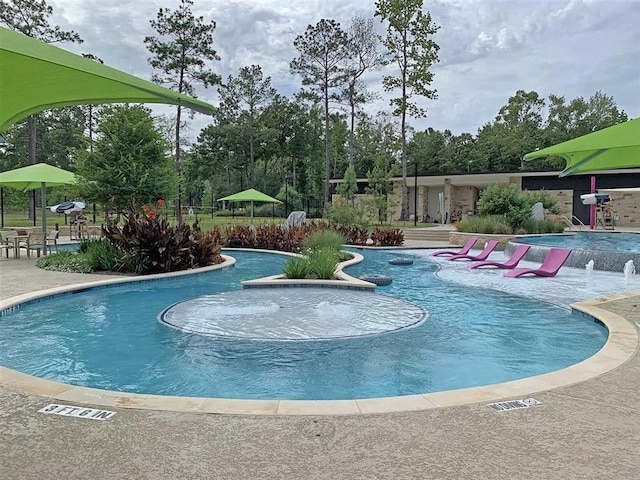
(349, 215)
(233, 213)
(297, 267)
(66, 262)
(500, 199)
(324, 239)
(548, 202)
(493, 224)
(101, 254)
(323, 262)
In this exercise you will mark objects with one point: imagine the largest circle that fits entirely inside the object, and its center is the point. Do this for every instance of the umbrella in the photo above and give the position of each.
(606, 149)
(68, 207)
(36, 76)
(40, 175)
(250, 195)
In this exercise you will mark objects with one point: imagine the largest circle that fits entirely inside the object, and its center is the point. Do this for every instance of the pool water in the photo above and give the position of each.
(608, 241)
(110, 338)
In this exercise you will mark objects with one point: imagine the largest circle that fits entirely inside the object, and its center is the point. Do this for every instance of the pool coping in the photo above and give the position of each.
(622, 343)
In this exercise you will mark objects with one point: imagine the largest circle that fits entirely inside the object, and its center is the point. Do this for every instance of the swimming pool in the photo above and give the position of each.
(109, 338)
(607, 241)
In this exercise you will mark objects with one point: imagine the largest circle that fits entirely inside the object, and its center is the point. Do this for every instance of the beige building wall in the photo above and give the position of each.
(565, 201)
(463, 199)
(626, 206)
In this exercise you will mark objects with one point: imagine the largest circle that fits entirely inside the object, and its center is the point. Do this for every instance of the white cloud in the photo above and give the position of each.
(489, 48)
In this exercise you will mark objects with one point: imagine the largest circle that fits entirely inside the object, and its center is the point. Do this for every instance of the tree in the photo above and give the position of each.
(181, 52)
(31, 17)
(365, 55)
(349, 186)
(323, 49)
(409, 45)
(245, 97)
(129, 166)
(375, 137)
(426, 148)
(379, 185)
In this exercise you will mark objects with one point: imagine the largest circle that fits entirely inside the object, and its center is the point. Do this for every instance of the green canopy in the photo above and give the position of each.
(250, 195)
(40, 175)
(35, 76)
(607, 149)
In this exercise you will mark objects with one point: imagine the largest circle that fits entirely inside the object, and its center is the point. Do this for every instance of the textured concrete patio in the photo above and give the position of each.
(590, 430)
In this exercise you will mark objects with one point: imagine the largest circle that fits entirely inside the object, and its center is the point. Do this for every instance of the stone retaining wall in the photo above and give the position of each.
(460, 238)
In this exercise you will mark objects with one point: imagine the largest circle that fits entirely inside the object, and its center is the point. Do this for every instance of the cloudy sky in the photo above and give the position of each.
(489, 49)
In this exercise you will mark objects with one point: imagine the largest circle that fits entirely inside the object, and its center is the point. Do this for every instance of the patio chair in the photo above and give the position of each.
(463, 251)
(35, 241)
(5, 245)
(488, 248)
(550, 266)
(513, 260)
(52, 239)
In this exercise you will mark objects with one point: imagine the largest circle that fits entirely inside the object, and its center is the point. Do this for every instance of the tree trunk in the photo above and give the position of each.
(327, 148)
(352, 135)
(405, 188)
(252, 165)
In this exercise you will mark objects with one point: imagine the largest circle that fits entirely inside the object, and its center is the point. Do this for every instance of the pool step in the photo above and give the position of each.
(427, 234)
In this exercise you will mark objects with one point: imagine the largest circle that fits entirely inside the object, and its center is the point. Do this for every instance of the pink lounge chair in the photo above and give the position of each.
(463, 251)
(513, 260)
(550, 266)
(488, 248)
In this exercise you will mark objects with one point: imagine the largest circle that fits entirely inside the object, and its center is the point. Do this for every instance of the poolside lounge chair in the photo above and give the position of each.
(550, 266)
(463, 251)
(513, 260)
(488, 248)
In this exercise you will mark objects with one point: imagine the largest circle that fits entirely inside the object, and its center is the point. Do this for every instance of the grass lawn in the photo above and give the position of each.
(21, 219)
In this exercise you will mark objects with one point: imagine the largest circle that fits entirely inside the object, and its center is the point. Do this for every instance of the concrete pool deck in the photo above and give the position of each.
(586, 430)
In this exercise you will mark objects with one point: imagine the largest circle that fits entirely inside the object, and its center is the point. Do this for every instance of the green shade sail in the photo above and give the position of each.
(607, 149)
(250, 195)
(31, 177)
(40, 175)
(35, 76)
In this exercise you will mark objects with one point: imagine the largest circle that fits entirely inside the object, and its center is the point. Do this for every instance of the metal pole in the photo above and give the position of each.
(592, 208)
(415, 195)
(2, 206)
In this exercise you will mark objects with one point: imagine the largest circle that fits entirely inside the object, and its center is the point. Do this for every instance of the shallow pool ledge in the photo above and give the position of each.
(622, 345)
(11, 303)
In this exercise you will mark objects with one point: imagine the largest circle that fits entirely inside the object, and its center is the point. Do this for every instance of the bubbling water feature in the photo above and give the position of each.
(292, 314)
(629, 271)
(589, 268)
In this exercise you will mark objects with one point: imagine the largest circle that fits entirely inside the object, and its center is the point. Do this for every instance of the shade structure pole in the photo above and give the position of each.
(415, 195)
(592, 208)
(1, 207)
(251, 212)
(43, 200)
